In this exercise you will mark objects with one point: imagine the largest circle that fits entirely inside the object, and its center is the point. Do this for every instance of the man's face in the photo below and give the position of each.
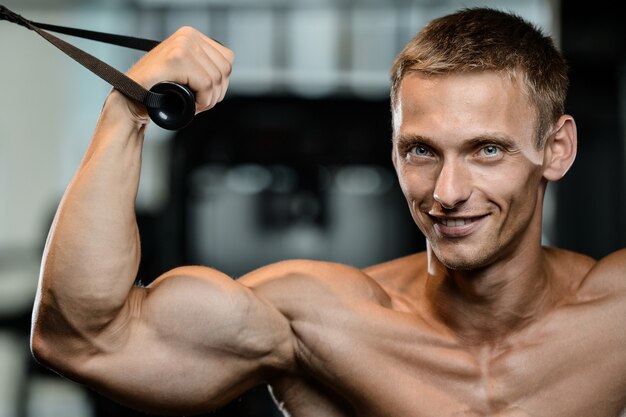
(465, 155)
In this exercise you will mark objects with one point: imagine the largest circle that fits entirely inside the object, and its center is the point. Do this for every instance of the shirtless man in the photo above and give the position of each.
(486, 322)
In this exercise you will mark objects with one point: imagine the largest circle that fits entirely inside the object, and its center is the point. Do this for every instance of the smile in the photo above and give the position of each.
(457, 227)
(456, 222)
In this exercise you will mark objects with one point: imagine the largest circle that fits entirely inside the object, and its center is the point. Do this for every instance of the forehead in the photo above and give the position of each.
(453, 107)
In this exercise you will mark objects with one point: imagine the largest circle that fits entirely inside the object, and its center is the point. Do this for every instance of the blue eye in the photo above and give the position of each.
(490, 150)
(421, 151)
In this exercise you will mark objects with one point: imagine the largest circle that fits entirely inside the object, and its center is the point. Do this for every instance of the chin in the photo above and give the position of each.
(462, 260)
(462, 265)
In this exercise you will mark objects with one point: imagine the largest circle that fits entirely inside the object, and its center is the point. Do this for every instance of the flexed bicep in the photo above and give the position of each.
(191, 342)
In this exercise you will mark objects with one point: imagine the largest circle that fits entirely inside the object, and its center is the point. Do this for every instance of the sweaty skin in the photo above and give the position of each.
(486, 322)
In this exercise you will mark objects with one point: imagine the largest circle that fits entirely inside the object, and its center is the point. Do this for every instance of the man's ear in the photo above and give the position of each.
(560, 149)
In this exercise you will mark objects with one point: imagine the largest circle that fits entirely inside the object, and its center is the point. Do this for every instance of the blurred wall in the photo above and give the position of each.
(50, 103)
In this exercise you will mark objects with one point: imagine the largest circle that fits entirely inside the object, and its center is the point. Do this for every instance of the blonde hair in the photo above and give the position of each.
(486, 39)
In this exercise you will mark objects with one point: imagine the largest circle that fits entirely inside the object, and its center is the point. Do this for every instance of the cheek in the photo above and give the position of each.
(417, 185)
(513, 188)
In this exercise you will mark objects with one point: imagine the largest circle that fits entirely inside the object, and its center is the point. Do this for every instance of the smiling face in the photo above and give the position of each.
(465, 155)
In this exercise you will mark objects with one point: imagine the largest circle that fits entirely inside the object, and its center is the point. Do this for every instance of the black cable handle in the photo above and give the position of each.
(170, 105)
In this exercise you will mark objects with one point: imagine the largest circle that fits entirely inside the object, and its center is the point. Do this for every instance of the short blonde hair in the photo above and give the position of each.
(486, 39)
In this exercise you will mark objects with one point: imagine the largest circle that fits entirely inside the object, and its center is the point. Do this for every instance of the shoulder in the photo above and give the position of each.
(591, 278)
(402, 275)
(587, 277)
(405, 265)
(614, 263)
(291, 284)
(607, 277)
(572, 265)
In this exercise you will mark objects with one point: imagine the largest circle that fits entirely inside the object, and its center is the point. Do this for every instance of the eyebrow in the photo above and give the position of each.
(503, 141)
(500, 140)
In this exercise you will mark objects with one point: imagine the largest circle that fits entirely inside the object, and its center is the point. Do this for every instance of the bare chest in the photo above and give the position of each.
(570, 364)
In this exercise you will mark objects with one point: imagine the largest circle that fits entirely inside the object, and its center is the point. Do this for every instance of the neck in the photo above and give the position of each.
(489, 303)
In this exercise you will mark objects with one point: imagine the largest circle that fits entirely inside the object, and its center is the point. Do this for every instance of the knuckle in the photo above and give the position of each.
(230, 55)
(182, 41)
(218, 77)
(184, 37)
(207, 84)
(205, 101)
(227, 69)
(186, 31)
(177, 54)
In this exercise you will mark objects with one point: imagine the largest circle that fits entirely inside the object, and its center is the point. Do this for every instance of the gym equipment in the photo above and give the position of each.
(170, 105)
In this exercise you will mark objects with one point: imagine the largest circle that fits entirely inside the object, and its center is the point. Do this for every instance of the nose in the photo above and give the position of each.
(453, 186)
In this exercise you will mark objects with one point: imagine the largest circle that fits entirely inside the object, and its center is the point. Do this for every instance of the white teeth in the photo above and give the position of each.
(455, 222)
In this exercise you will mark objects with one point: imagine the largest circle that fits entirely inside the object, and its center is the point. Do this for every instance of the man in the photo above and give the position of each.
(486, 322)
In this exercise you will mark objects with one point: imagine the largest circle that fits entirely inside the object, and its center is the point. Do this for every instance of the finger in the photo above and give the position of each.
(225, 66)
(224, 90)
(190, 58)
(216, 61)
(227, 53)
(186, 60)
(222, 58)
(218, 71)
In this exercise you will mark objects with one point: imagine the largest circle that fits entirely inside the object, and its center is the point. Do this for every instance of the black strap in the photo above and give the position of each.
(119, 40)
(128, 87)
(103, 70)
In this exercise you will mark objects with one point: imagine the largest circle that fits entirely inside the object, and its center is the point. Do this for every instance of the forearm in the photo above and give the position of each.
(92, 253)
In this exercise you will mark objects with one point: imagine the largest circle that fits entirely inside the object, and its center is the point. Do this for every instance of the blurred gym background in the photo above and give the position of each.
(295, 163)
